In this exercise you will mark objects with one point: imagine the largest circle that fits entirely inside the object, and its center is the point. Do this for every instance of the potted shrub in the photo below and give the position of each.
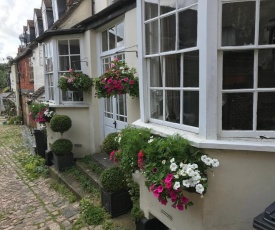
(110, 143)
(114, 194)
(62, 148)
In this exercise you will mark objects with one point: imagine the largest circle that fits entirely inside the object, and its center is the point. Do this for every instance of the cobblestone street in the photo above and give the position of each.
(26, 204)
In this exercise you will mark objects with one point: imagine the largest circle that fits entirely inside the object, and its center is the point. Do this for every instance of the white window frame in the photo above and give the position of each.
(55, 10)
(146, 69)
(56, 73)
(255, 48)
(44, 16)
(49, 85)
(35, 20)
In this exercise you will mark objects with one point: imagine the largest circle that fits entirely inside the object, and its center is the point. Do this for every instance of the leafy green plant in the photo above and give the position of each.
(91, 214)
(110, 143)
(62, 147)
(113, 179)
(60, 123)
(14, 119)
(62, 189)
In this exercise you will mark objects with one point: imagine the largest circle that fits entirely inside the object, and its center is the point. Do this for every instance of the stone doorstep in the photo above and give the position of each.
(102, 159)
(124, 220)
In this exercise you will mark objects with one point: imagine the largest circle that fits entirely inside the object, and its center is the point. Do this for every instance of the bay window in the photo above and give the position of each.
(172, 62)
(48, 54)
(209, 67)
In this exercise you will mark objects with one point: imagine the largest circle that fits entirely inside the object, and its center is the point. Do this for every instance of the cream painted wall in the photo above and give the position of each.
(100, 5)
(130, 27)
(79, 133)
(241, 188)
(83, 11)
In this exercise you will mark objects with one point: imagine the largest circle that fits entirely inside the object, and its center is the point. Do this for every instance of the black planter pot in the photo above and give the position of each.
(48, 158)
(41, 142)
(116, 203)
(150, 224)
(63, 162)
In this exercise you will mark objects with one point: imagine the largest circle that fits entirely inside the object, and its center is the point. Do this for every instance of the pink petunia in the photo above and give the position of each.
(160, 189)
(112, 65)
(184, 200)
(163, 201)
(131, 82)
(156, 193)
(115, 59)
(168, 184)
(126, 79)
(70, 70)
(109, 80)
(180, 207)
(152, 187)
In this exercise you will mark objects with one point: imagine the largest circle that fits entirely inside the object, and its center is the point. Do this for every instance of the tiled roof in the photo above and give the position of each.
(48, 3)
(38, 13)
(30, 23)
(38, 92)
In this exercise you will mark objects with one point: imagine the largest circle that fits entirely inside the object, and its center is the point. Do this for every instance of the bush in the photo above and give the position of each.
(62, 147)
(60, 123)
(113, 179)
(110, 143)
(14, 119)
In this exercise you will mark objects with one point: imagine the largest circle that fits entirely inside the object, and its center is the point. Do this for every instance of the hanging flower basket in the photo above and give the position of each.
(75, 81)
(117, 80)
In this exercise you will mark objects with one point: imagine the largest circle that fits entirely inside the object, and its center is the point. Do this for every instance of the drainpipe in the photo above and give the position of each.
(20, 113)
(93, 7)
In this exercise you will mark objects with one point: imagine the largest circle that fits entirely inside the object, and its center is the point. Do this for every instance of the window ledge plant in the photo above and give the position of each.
(40, 112)
(170, 165)
(117, 80)
(74, 81)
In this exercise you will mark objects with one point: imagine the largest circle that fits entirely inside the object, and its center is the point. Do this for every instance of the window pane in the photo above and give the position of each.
(120, 34)
(238, 23)
(188, 24)
(64, 63)
(155, 72)
(238, 69)
(63, 47)
(237, 111)
(267, 22)
(156, 105)
(106, 64)
(49, 65)
(167, 6)
(104, 40)
(185, 3)
(266, 111)
(172, 70)
(72, 95)
(121, 108)
(112, 38)
(168, 33)
(151, 37)
(190, 114)
(191, 69)
(151, 9)
(266, 68)
(75, 63)
(108, 107)
(172, 106)
(74, 47)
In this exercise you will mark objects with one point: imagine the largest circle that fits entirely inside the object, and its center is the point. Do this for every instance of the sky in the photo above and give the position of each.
(13, 16)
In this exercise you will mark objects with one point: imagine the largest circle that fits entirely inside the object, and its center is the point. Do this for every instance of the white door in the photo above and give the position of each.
(115, 108)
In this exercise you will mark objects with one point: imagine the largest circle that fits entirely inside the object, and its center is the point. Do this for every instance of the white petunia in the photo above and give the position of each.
(173, 167)
(172, 160)
(215, 163)
(176, 185)
(199, 188)
(196, 176)
(190, 172)
(181, 164)
(182, 172)
(193, 182)
(194, 166)
(151, 140)
(119, 139)
(208, 161)
(163, 162)
(176, 176)
(186, 183)
(203, 158)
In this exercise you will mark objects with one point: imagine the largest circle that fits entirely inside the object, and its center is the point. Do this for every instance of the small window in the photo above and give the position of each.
(112, 37)
(31, 70)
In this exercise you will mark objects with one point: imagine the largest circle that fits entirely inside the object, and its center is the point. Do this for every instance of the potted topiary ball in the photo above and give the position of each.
(62, 148)
(114, 194)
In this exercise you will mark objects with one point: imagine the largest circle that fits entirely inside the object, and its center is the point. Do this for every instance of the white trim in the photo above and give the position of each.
(243, 144)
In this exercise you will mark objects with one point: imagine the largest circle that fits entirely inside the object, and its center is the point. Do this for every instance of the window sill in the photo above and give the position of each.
(244, 144)
(69, 106)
